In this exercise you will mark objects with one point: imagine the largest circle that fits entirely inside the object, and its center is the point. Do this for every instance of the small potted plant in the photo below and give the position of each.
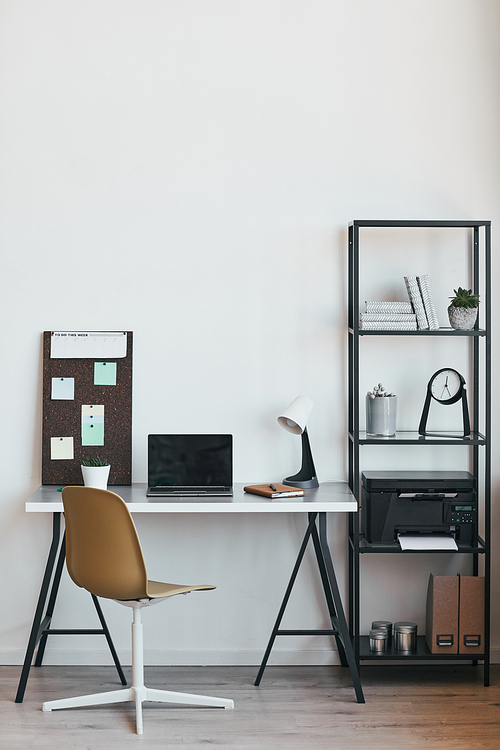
(463, 309)
(95, 472)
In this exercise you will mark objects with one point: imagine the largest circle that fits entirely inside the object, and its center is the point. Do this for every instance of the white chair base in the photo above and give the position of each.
(138, 692)
(138, 695)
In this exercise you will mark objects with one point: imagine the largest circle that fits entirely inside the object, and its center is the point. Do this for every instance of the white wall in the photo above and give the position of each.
(187, 170)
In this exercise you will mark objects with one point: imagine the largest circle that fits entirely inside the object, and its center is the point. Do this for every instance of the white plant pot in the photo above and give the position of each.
(462, 318)
(96, 476)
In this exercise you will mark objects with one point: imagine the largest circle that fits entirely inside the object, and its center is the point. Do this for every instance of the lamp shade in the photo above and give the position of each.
(294, 418)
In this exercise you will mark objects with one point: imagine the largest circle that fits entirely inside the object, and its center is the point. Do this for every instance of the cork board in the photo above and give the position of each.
(87, 405)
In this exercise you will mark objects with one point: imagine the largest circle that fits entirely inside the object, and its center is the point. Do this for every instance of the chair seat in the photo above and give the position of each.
(159, 590)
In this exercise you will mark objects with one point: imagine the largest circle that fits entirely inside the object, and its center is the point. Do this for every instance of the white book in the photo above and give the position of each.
(417, 302)
(427, 299)
(388, 317)
(390, 325)
(374, 306)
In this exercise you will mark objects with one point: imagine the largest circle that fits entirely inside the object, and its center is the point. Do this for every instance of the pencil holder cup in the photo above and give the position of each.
(381, 416)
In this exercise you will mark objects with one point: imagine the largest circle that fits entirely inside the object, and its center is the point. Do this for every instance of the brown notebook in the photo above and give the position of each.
(280, 490)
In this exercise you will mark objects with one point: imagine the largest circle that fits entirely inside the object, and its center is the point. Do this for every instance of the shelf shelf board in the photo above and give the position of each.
(412, 437)
(422, 653)
(366, 547)
(416, 223)
(439, 332)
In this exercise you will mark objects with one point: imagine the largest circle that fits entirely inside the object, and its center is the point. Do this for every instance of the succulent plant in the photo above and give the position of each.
(464, 298)
(94, 461)
(378, 391)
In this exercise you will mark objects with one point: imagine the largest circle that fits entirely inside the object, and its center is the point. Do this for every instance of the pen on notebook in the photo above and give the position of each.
(272, 487)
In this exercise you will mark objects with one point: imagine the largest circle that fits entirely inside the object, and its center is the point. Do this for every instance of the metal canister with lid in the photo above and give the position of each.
(378, 640)
(405, 636)
(383, 625)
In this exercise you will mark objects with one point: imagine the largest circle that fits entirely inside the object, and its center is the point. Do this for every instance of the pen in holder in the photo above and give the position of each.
(381, 410)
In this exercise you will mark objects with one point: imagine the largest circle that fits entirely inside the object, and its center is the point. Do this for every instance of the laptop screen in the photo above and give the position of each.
(190, 460)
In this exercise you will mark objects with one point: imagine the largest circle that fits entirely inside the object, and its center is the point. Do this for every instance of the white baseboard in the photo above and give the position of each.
(65, 657)
(102, 657)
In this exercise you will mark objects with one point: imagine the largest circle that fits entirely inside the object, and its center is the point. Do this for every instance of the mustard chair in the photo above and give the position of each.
(104, 556)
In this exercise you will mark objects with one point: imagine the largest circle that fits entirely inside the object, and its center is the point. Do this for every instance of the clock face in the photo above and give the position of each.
(446, 386)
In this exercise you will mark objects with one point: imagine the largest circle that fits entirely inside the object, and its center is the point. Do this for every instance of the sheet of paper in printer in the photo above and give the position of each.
(427, 541)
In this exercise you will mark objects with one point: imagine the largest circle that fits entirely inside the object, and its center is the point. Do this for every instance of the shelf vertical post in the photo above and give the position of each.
(354, 619)
(487, 448)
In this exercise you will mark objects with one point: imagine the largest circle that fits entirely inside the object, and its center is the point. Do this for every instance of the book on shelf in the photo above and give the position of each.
(428, 301)
(388, 317)
(416, 300)
(383, 307)
(389, 325)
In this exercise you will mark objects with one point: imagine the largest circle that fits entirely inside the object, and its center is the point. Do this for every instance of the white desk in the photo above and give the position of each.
(329, 497)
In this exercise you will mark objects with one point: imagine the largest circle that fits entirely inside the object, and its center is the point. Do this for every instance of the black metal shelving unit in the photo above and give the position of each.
(479, 440)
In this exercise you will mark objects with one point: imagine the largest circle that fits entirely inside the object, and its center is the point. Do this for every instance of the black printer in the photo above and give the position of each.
(410, 502)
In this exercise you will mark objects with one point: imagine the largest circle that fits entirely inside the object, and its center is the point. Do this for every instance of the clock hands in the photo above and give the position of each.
(445, 388)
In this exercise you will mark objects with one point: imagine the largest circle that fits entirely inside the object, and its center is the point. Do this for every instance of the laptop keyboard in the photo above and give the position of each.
(186, 490)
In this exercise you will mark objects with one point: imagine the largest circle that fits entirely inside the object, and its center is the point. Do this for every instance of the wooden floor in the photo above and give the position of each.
(295, 708)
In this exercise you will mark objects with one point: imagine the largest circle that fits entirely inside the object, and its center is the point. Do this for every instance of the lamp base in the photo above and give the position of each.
(306, 478)
(303, 484)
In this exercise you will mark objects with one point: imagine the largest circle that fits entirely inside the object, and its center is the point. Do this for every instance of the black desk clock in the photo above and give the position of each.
(446, 387)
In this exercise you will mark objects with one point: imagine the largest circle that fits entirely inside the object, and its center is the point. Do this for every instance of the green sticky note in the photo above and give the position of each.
(93, 434)
(92, 424)
(104, 373)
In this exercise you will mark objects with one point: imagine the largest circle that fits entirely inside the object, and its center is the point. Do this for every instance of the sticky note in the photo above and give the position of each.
(92, 424)
(63, 389)
(104, 373)
(61, 448)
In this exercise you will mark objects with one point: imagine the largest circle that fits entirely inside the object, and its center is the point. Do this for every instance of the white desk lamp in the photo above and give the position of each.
(294, 419)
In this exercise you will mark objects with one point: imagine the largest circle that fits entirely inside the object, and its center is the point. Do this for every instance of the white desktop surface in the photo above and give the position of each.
(329, 497)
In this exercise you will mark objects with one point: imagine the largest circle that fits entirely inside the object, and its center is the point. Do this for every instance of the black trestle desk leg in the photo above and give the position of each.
(334, 602)
(52, 603)
(37, 620)
(109, 640)
(329, 596)
(274, 633)
(40, 629)
(340, 620)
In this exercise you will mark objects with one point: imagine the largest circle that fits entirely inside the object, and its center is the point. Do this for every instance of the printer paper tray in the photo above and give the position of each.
(387, 547)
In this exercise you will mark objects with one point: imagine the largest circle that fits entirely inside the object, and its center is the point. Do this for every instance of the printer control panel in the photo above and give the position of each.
(462, 513)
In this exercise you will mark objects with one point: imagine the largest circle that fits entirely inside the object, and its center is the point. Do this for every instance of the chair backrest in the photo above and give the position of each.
(103, 552)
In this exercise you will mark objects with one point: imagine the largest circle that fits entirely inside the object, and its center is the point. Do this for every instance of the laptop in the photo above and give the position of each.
(192, 465)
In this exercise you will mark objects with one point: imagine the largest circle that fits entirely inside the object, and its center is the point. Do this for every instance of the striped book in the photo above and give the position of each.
(390, 325)
(417, 302)
(388, 307)
(427, 299)
(388, 317)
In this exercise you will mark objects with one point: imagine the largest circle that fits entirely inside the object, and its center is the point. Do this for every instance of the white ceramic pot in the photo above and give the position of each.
(96, 476)
(462, 318)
